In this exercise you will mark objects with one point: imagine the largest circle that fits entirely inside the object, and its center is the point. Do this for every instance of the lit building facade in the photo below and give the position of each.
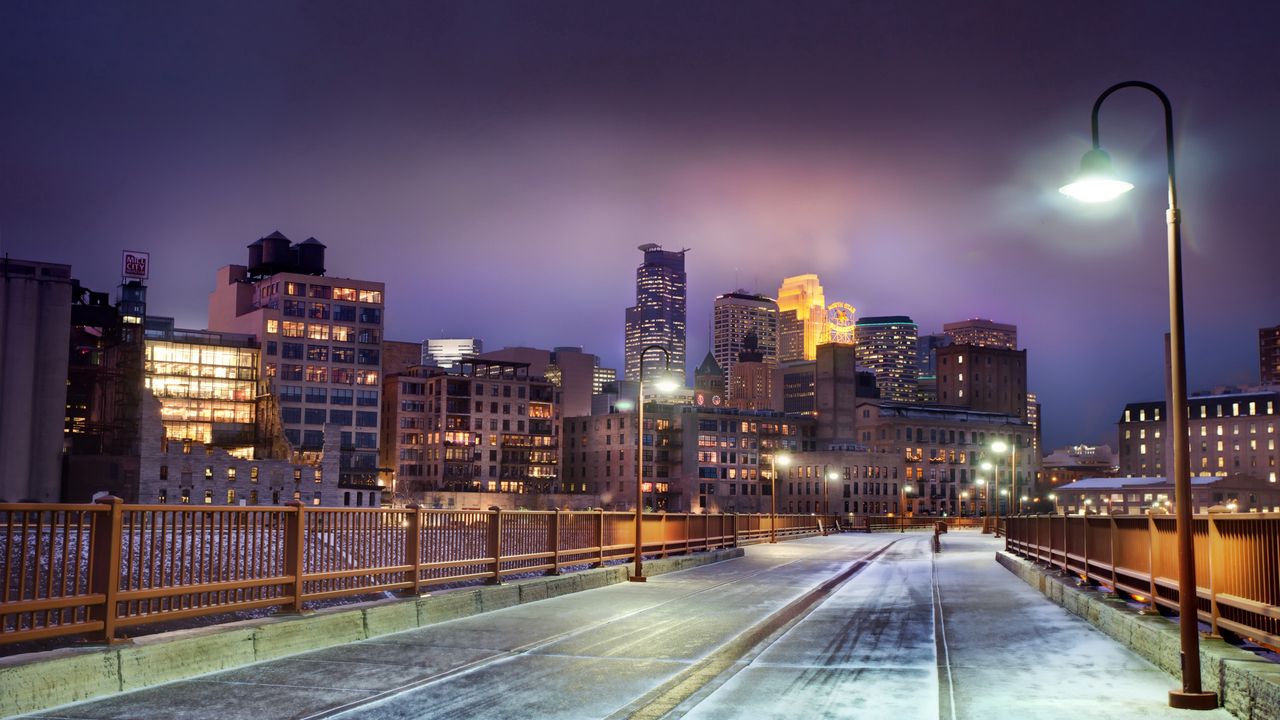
(602, 376)
(489, 426)
(982, 333)
(734, 316)
(802, 318)
(658, 317)
(1269, 355)
(887, 347)
(697, 458)
(446, 352)
(1231, 434)
(207, 385)
(321, 341)
(943, 450)
(1137, 495)
(865, 482)
(751, 385)
(1076, 462)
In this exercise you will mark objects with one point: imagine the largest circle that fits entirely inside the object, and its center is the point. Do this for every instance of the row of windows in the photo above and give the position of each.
(317, 416)
(1234, 409)
(233, 473)
(314, 331)
(327, 292)
(322, 374)
(336, 396)
(314, 439)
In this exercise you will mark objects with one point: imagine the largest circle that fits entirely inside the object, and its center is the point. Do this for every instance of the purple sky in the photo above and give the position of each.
(496, 164)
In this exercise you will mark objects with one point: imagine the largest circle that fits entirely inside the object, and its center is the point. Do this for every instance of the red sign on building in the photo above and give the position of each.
(136, 265)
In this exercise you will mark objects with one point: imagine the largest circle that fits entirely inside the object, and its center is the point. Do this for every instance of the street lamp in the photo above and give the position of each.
(995, 483)
(832, 476)
(982, 500)
(777, 458)
(964, 498)
(1053, 497)
(1022, 499)
(1098, 183)
(902, 507)
(1000, 447)
(665, 384)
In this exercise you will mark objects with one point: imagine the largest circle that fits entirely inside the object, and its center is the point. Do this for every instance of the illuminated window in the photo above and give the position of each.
(208, 497)
(371, 296)
(319, 477)
(253, 473)
(294, 329)
(185, 498)
(231, 474)
(341, 293)
(366, 377)
(343, 333)
(319, 374)
(273, 327)
(318, 291)
(231, 496)
(293, 288)
(163, 497)
(318, 332)
(208, 472)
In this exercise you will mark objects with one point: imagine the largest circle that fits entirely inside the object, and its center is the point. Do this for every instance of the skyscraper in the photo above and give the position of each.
(927, 364)
(1269, 355)
(982, 333)
(658, 317)
(737, 315)
(802, 318)
(887, 346)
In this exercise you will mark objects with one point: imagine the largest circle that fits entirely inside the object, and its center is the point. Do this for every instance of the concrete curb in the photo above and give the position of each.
(1248, 686)
(38, 681)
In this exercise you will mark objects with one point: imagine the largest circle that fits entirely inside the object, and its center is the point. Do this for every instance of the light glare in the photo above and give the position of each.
(1095, 189)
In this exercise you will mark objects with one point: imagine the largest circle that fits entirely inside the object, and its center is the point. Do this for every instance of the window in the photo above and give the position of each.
(231, 474)
(318, 353)
(318, 332)
(317, 395)
(296, 289)
(231, 496)
(342, 376)
(312, 439)
(273, 327)
(338, 396)
(366, 419)
(292, 328)
(315, 416)
(367, 356)
(368, 337)
(318, 311)
(371, 316)
(208, 497)
(343, 333)
(366, 377)
(163, 496)
(164, 472)
(371, 296)
(291, 372)
(344, 355)
(291, 351)
(342, 293)
(368, 398)
(294, 308)
(291, 393)
(185, 498)
(344, 313)
(366, 440)
(291, 415)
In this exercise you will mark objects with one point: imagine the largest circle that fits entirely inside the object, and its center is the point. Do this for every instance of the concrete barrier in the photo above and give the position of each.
(1248, 686)
(38, 681)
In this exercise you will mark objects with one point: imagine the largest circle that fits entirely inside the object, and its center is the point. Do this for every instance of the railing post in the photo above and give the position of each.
(495, 545)
(706, 531)
(412, 548)
(599, 537)
(1151, 557)
(734, 526)
(662, 533)
(294, 538)
(1217, 563)
(553, 539)
(105, 548)
(1085, 535)
(1111, 538)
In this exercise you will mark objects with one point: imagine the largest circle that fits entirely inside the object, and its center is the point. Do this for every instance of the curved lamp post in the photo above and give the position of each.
(904, 490)
(1097, 183)
(779, 457)
(987, 466)
(665, 384)
(981, 499)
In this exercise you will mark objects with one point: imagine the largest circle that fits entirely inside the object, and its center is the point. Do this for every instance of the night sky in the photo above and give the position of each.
(496, 164)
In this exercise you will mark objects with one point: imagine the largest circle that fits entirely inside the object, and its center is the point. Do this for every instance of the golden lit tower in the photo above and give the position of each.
(802, 318)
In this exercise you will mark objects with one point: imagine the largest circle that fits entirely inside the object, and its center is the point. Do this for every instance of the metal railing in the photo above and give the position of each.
(1237, 554)
(100, 568)
(886, 523)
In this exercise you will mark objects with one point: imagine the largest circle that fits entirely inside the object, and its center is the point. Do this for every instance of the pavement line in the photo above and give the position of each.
(660, 701)
(947, 702)
(506, 655)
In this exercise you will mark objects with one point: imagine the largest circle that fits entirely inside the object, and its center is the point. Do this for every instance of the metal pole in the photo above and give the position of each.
(638, 575)
(1191, 696)
(773, 496)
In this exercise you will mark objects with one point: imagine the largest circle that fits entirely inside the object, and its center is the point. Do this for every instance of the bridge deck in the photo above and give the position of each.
(849, 626)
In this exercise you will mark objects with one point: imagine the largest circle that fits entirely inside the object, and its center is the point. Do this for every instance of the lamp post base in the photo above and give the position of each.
(1193, 701)
(637, 578)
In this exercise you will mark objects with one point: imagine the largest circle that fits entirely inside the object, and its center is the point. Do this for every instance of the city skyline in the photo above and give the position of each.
(431, 167)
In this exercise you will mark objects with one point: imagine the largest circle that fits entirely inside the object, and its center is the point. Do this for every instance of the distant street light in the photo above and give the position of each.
(964, 497)
(902, 507)
(1053, 497)
(777, 458)
(666, 385)
(1097, 182)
